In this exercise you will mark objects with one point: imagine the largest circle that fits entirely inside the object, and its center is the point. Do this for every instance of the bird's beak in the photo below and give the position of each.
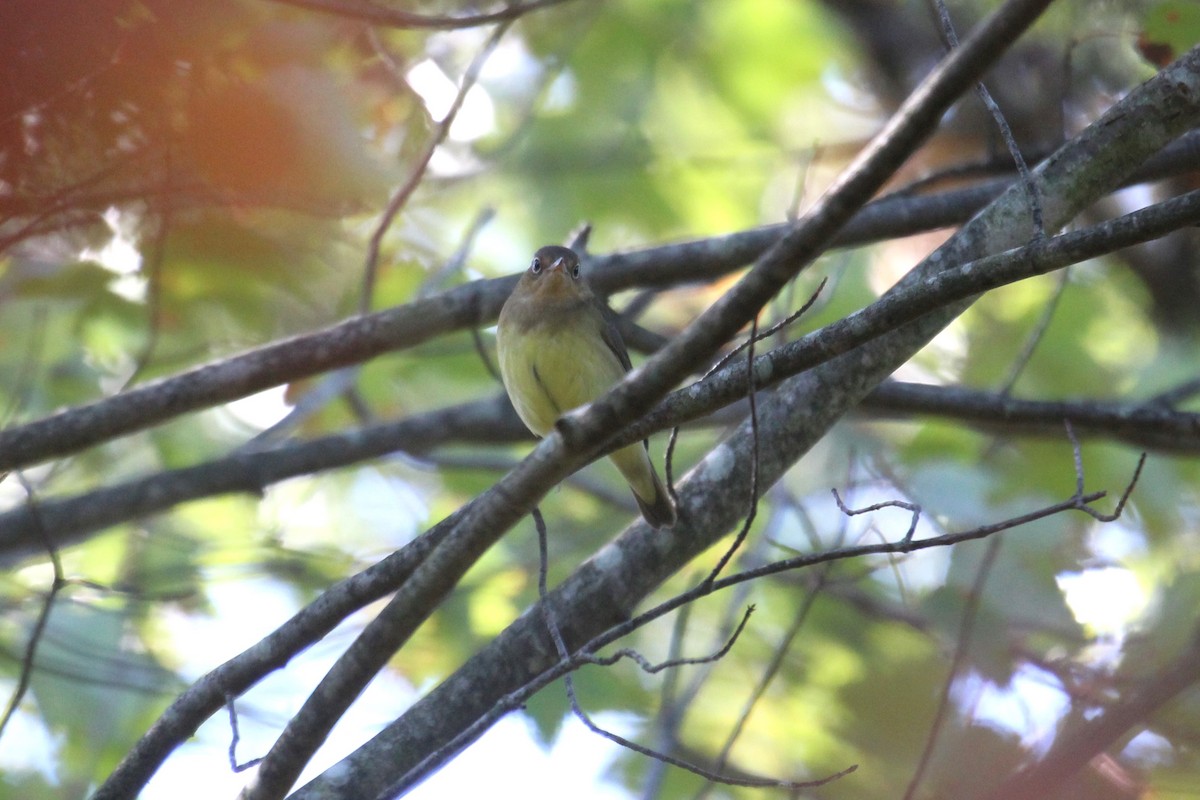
(559, 265)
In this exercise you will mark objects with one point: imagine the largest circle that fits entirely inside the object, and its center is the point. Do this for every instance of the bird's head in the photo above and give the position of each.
(553, 275)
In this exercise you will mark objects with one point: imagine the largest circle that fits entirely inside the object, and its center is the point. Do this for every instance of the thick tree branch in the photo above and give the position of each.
(144, 768)
(474, 304)
(1150, 425)
(580, 433)
(592, 608)
(471, 305)
(915, 299)
(250, 472)
(211, 693)
(792, 420)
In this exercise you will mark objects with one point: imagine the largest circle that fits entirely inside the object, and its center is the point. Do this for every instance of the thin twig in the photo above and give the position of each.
(1035, 203)
(912, 508)
(1171, 397)
(965, 631)
(375, 14)
(1077, 453)
(671, 709)
(775, 328)
(400, 198)
(768, 674)
(21, 387)
(651, 668)
(1037, 334)
(39, 626)
(906, 544)
(235, 737)
(152, 269)
(752, 511)
(438, 279)
(585, 658)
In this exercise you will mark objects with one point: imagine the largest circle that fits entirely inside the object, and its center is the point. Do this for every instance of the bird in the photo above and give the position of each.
(559, 348)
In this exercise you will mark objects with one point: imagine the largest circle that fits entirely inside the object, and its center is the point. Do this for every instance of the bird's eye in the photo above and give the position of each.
(575, 271)
(536, 266)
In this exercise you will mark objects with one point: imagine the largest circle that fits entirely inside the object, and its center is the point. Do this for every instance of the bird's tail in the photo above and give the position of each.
(652, 496)
(660, 511)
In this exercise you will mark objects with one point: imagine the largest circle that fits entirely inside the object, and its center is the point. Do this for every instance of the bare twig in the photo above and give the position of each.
(400, 198)
(152, 270)
(235, 737)
(962, 645)
(651, 668)
(43, 619)
(671, 709)
(768, 675)
(912, 508)
(946, 28)
(374, 14)
(438, 279)
(1077, 452)
(1036, 335)
(752, 508)
(584, 658)
(1177, 394)
(906, 544)
(22, 386)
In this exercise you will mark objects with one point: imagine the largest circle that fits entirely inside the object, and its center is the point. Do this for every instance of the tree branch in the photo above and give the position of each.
(580, 433)
(1148, 425)
(584, 431)
(250, 472)
(549, 460)
(471, 305)
(920, 299)
(374, 14)
(792, 420)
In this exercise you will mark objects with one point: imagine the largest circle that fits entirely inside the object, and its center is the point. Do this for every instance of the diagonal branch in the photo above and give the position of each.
(477, 303)
(580, 434)
(917, 298)
(1148, 425)
(583, 602)
(793, 420)
(1129, 116)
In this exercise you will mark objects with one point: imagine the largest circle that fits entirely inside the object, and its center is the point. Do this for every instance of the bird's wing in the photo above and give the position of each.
(612, 337)
(612, 334)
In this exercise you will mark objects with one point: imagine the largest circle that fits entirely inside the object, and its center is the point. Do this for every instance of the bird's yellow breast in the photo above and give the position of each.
(550, 372)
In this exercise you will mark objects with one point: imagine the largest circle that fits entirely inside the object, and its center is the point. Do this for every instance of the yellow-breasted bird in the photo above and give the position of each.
(559, 349)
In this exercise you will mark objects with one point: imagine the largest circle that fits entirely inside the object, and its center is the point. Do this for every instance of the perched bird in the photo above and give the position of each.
(559, 349)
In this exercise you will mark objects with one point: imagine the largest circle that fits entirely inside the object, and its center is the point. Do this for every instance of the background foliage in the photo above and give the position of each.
(183, 181)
